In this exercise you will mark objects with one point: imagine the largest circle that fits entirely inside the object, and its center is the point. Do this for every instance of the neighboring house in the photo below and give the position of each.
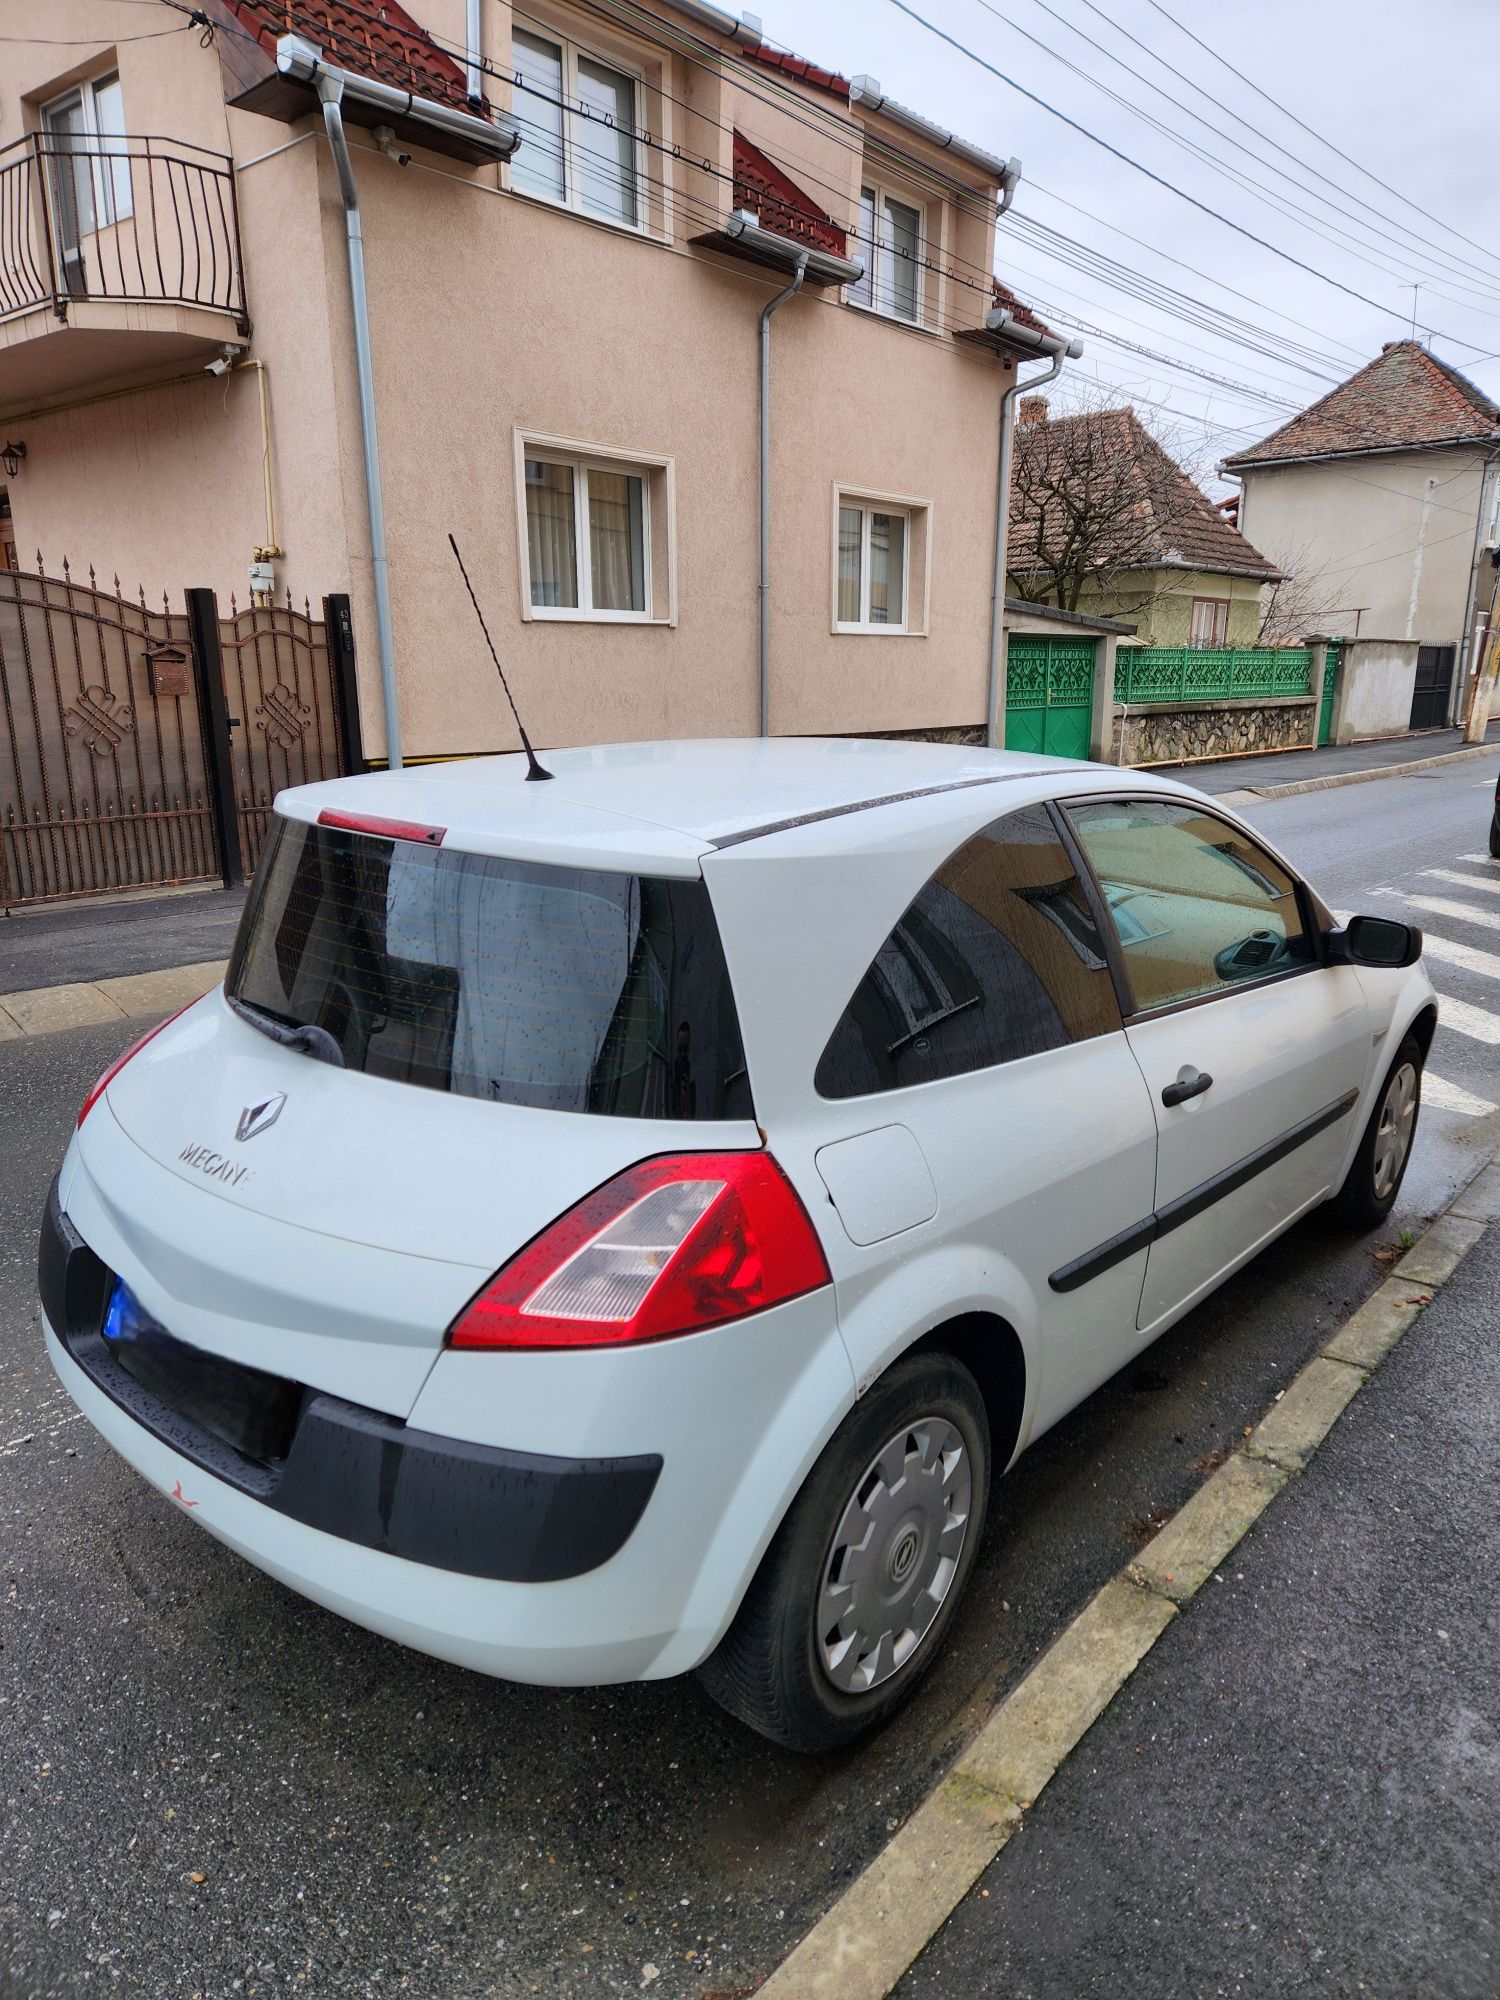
(565, 353)
(1104, 521)
(1382, 497)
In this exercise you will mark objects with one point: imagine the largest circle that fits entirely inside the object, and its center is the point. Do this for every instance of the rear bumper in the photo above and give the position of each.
(357, 1474)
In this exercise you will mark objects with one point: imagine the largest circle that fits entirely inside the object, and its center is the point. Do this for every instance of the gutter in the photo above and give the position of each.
(303, 61)
(1234, 468)
(866, 92)
(1050, 347)
(744, 29)
(804, 263)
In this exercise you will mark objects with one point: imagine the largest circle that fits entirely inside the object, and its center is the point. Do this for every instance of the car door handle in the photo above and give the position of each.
(1186, 1087)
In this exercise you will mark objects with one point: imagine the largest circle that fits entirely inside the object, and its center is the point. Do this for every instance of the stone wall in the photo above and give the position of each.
(1171, 734)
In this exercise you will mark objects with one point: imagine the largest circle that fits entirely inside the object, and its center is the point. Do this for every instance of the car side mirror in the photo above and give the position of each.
(1375, 941)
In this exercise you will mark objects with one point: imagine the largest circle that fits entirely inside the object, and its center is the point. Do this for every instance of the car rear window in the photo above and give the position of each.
(569, 989)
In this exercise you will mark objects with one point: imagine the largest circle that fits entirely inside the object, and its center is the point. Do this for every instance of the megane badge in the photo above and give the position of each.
(259, 1117)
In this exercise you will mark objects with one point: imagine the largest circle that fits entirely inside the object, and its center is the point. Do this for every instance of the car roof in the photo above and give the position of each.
(659, 802)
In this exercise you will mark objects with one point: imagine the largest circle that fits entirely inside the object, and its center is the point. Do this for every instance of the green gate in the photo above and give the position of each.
(1330, 685)
(1049, 694)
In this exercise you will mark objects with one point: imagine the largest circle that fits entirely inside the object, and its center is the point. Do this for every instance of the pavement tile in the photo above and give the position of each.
(1036, 1726)
(1181, 1559)
(160, 992)
(10, 1029)
(862, 1946)
(1369, 1333)
(46, 1010)
(1480, 1200)
(1298, 1424)
(1437, 1254)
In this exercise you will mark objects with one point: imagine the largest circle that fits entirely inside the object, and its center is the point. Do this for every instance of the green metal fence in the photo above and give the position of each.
(1189, 674)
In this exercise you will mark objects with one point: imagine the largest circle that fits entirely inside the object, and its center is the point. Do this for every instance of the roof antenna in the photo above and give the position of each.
(533, 769)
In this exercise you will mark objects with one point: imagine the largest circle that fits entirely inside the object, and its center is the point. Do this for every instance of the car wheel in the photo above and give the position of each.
(1374, 1180)
(1495, 837)
(852, 1599)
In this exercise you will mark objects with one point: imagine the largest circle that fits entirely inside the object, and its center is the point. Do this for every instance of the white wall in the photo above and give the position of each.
(1374, 690)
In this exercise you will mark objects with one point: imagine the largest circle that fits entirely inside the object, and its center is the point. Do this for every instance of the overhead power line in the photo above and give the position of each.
(1161, 180)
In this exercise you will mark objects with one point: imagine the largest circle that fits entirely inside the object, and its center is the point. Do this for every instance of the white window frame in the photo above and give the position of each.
(1222, 606)
(571, 202)
(876, 254)
(113, 191)
(915, 513)
(656, 473)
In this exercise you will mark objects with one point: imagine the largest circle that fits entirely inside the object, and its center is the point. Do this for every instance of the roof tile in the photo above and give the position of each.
(374, 38)
(1404, 399)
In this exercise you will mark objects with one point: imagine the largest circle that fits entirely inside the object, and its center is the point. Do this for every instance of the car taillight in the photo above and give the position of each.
(384, 829)
(119, 1063)
(670, 1246)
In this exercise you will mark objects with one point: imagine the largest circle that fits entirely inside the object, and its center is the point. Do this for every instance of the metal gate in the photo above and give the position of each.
(1331, 666)
(1431, 689)
(122, 763)
(1049, 694)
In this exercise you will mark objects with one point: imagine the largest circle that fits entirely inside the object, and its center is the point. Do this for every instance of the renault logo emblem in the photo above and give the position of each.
(259, 1117)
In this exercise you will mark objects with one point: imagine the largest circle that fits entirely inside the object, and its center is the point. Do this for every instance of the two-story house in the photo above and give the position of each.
(1382, 497)
(572, 221)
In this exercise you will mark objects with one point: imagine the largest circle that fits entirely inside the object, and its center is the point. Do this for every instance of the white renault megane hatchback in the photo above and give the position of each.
(624, 1225)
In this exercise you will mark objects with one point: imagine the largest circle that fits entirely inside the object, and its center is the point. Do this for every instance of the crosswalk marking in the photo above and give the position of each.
(1451, 952)
(1436, 1090)
(1490, 888)
(1482, 860)
(1475, 1022)
(1464, 913)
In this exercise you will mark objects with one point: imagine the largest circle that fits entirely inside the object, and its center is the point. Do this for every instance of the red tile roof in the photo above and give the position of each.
(1109, 463)
(775, 198)
(1405, 399)
(374, 38)
(799, 67)
(1004, 296)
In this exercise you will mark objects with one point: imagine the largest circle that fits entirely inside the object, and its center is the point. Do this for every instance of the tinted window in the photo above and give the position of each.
(997, 958)
(1198, 906)
(571, 989)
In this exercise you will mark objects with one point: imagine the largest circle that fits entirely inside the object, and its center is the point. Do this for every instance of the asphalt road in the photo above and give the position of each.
(211, 1788)
(1299, 1792)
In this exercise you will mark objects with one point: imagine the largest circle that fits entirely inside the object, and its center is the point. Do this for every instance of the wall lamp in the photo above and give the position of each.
(11, 458)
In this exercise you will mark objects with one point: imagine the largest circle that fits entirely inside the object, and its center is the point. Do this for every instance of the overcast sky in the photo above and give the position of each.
(1405, 92)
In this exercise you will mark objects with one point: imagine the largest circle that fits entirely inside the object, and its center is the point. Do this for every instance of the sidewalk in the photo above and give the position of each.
(1295, 767)
(1298, 1792)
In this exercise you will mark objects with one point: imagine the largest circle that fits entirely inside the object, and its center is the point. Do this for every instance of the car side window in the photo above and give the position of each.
(997, 958)
(1198, 906)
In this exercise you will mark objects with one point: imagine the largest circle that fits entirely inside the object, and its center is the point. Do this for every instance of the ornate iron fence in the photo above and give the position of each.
(141, 747)
(143, 220)
(1185, 674)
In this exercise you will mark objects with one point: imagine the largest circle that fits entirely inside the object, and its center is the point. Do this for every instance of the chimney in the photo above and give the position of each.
(1033, 409)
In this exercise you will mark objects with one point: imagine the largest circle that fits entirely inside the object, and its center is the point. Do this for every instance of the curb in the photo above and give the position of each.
(861, 1947)
(1337, 778)
(50, 1010)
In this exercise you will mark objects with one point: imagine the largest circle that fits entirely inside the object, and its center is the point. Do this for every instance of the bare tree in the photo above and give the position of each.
(1097, 502)
(1299, 603)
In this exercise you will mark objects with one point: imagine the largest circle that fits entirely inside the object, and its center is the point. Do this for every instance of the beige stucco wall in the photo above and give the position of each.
(1160, 605)
(492, 313)
(1374, 689)
(1390, 537)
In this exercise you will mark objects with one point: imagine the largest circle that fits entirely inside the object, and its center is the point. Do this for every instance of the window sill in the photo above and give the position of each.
(876, 632)
(642, 232)
(547, 614)
(893, 319)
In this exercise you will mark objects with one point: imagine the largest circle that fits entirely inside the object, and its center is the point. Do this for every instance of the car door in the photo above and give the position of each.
(1253, 1049)
(987, 1030)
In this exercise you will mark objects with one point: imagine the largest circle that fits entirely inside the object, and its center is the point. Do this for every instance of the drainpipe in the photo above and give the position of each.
(773, 305)
(1053, 347)
(330, 90)
(474, 53)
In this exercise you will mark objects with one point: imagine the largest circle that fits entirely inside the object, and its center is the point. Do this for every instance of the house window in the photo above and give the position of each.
(890, 248)
(873, 546)
(578, 126)
(90, 169)
(595, 533)
(1210, 622)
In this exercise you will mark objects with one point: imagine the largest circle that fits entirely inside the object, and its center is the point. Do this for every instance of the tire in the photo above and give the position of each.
(1374, 1179)
(775, 1668)
(1495, 838)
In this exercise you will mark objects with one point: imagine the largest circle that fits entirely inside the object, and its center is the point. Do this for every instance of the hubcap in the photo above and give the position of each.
(1393, 1134)
(894, 1555)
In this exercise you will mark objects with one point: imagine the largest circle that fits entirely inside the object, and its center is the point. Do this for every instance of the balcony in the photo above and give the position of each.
(119, 260)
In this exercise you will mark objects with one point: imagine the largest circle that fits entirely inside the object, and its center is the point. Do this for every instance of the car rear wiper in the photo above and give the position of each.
(306, 1037)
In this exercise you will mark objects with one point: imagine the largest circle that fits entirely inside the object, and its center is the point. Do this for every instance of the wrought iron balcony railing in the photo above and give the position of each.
(135, 219)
